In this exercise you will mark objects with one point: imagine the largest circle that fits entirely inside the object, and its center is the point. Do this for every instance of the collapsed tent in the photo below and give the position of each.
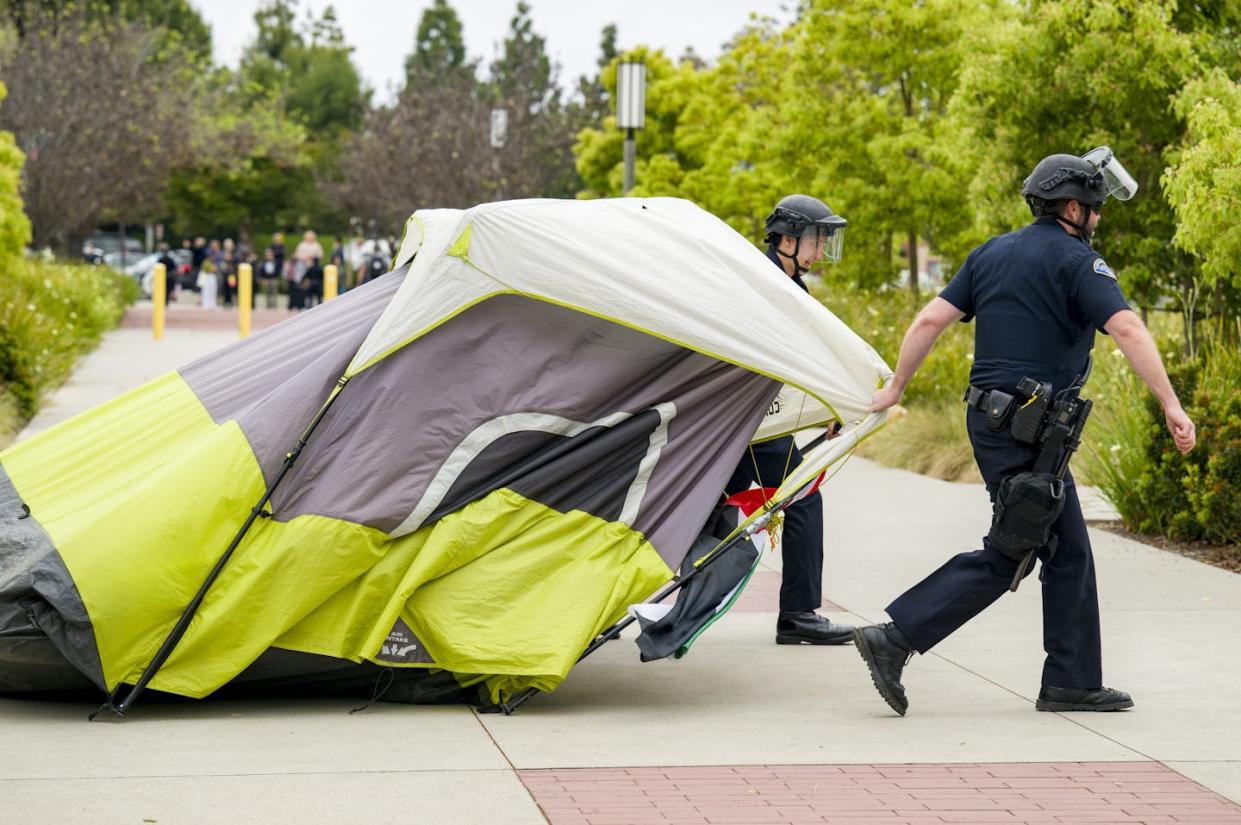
(468, 467)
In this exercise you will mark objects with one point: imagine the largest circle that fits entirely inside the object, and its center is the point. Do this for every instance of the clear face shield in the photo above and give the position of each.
(1116, 178)
(829, 238)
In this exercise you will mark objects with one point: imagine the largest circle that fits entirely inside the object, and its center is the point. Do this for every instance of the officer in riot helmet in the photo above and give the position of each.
(800, 231)
(1038, 296)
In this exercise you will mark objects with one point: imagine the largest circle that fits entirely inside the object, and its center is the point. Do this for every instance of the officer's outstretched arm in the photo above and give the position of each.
(1135, 342)
(934, 318)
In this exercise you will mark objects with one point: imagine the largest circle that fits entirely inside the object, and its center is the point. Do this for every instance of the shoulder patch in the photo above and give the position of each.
(1100, 267)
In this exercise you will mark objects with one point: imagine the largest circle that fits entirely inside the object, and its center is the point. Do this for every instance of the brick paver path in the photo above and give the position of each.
(181, 316)
(1090, 793)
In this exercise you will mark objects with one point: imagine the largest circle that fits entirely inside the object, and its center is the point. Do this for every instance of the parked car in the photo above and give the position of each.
(143, 270)
(96, 248)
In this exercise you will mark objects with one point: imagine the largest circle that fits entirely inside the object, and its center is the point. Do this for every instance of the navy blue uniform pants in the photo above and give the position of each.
(935, 607)
(801, 542)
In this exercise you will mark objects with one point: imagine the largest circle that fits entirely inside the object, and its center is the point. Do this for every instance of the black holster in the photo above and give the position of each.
(1026, 506)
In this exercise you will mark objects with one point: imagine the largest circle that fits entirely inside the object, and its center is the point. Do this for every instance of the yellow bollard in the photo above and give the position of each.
(329, 282)
(245, 293)
(159, 289)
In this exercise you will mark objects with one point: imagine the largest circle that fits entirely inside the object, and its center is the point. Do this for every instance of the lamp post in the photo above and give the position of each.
(499, 136)
(630, 109)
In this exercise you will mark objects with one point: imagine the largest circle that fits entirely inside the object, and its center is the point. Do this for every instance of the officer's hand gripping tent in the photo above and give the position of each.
(518, 432)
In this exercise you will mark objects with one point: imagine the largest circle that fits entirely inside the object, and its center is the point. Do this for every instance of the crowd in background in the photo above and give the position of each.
(211, 269)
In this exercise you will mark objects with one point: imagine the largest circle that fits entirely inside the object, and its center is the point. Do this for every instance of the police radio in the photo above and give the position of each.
(1028, 420)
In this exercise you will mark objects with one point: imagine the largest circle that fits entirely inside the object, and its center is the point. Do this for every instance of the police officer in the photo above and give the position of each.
(801, 230)
(1038, 295)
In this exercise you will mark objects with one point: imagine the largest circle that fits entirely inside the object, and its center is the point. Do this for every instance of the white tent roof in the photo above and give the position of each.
(661, 265)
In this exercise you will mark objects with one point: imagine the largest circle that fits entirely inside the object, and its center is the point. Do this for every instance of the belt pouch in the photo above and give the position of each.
(999, 407)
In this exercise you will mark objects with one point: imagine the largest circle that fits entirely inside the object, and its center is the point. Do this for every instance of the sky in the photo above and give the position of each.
(382, 31)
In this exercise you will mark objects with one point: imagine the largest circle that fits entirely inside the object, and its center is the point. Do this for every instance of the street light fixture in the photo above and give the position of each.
(630, 109)
(499, 136)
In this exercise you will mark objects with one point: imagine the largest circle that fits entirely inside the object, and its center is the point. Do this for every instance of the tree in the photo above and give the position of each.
(309, 71)
(251, 169)
(870, 88)
(599, 151)
(179, 21)
(425, 150)
(536, 158)
(14, 226)
(101, 131)
(1203, 187)
(708, 131)
(1106, 72)
(439, 47)
(305, 71)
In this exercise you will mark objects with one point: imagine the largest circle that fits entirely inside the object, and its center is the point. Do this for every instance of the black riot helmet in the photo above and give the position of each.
(1088, 179)
(806, 218)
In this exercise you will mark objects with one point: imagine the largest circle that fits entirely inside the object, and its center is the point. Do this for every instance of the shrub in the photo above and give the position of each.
(928, 439)
(1155, 489)
(881, 318)
(49, 315)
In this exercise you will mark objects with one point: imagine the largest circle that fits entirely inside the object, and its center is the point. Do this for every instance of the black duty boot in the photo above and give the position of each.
(809, 628)
(1068, 699)
(886, 651)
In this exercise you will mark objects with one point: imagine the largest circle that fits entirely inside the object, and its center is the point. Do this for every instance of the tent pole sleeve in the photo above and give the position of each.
(120, 706)
(663, 593)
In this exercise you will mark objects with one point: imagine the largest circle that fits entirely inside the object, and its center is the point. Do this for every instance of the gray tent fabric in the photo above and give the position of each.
(38, 597)
(290, 367)
(506, 360)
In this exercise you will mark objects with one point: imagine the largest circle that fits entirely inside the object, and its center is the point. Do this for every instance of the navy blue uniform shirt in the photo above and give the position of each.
(1038, 295)
(774, 257)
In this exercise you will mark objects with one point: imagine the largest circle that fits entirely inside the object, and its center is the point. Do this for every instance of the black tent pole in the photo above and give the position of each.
(674, 585)
(119, 706)
(663, 593)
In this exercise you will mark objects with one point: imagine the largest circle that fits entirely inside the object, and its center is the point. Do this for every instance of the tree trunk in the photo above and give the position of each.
(913, 265)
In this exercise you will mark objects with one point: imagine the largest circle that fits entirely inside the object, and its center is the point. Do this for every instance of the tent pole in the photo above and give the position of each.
(667, 590)
(119, 706)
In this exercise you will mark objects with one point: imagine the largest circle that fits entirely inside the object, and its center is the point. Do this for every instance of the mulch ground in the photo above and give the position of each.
(1227, 556)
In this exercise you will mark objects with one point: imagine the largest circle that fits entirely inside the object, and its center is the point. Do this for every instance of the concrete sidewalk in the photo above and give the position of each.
(740, 731)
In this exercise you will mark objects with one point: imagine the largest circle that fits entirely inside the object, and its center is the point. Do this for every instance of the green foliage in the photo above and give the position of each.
(929, 439)
(881, 318)
(866, 115)
(524, 71)
(1204, 185)
(439, 45)
(181, 23)
(309, 72)
(1155, 489)
(250, 165)
(327, 93)
(270, 134)
(14, 226)
(49, 315)
(176, 17)
(1065, 77)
